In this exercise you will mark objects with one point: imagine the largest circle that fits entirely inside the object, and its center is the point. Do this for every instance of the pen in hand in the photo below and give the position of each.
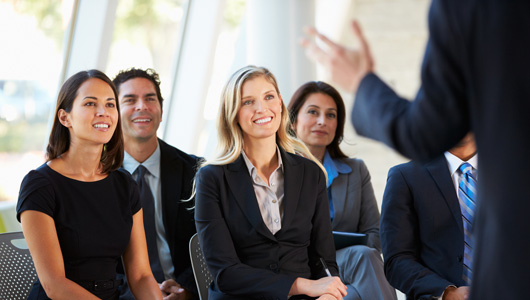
(325, 267)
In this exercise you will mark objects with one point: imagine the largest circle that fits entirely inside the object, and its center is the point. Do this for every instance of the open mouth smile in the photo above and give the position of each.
(264, 120)
(141, 120)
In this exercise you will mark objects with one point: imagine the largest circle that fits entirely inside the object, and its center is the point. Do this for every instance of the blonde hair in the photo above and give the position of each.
(229, 133)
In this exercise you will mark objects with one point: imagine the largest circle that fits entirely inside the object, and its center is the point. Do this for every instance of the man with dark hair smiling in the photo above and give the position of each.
(165, 178)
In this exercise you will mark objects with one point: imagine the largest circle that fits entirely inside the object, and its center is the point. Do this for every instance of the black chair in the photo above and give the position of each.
(202, 275)
(17, 272)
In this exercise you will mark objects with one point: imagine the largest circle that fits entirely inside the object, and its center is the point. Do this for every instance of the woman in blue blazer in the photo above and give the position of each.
(318, 115)
(262, 211)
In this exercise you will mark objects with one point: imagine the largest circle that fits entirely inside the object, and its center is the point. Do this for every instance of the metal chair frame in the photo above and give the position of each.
(202, 275)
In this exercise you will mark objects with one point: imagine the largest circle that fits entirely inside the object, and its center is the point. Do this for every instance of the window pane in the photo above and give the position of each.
(146, 35)
(225, 62)
(31, 34)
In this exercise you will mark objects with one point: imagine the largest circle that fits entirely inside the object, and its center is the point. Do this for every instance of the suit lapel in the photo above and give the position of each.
(440, 173)
(170, 168)
(293, 179)
(338, 197)
(240, 184)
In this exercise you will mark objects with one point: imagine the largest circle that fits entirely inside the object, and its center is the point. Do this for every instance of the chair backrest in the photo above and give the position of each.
(203, 278)
(17, 272)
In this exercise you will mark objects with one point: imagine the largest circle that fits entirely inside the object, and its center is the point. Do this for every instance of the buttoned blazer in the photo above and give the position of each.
(474, 78)
(354, 202)
(246, 260)
(177, 171)
(422, 230)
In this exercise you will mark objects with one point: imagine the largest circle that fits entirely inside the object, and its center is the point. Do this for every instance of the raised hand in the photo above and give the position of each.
(347, 67)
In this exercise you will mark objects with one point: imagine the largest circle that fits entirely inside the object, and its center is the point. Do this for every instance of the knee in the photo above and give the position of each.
(359, 255)
(367, 252)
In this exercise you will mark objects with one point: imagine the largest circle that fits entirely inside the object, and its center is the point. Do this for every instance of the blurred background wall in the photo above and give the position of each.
(195, 45)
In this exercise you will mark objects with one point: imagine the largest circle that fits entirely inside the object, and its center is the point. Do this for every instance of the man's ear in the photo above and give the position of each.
(63, 117)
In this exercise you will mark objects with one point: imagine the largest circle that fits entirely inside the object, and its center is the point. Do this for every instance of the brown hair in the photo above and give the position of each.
(59, 142)
(298, 100)
(132, 73)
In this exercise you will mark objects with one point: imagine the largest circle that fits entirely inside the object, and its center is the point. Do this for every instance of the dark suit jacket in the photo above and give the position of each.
(474, 78)
(246, 260)
(421, 229)
(177, 171)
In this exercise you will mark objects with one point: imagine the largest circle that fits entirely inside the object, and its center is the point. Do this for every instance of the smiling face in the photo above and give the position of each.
(94, 115)
(141, 111)
(316, 122)
(260, 114)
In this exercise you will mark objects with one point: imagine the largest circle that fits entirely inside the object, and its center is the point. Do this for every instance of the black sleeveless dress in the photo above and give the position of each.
(93, 222)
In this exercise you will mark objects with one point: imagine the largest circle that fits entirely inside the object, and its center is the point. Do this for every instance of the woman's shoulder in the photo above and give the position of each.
(354, 163)
(298, 158)
(357, 166)
(122, 174)
(122, 177)
(210, 170)
(35, 179)
(36, 188)
(209, 175)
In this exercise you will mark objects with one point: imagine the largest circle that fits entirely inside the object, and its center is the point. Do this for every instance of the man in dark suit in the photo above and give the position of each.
(474, 78)
(422, 226)
(169, 175)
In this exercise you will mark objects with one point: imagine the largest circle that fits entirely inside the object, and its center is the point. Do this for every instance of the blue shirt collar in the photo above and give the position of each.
(334, 167)
(152, 164)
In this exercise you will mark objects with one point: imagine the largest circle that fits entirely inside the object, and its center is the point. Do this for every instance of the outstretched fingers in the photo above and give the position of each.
(346, 66)
(314, 52)
(313, 32)
(365, 47)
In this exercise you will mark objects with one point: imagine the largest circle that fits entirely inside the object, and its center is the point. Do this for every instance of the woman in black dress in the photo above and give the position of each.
(79, 213)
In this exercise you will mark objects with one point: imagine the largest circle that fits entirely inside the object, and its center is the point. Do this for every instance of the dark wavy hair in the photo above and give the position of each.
(132, 73)
(298, 100)
(59, 142)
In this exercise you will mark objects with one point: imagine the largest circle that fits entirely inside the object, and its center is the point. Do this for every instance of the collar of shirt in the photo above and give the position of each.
(252, 170)
(454, 163)
(334, 167)
(152, 164)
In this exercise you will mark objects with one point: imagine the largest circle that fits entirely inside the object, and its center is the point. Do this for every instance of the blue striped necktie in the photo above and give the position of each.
(467, 194)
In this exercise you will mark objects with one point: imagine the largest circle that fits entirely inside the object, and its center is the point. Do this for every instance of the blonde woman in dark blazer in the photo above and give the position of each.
(318, 116)
(261, 210)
